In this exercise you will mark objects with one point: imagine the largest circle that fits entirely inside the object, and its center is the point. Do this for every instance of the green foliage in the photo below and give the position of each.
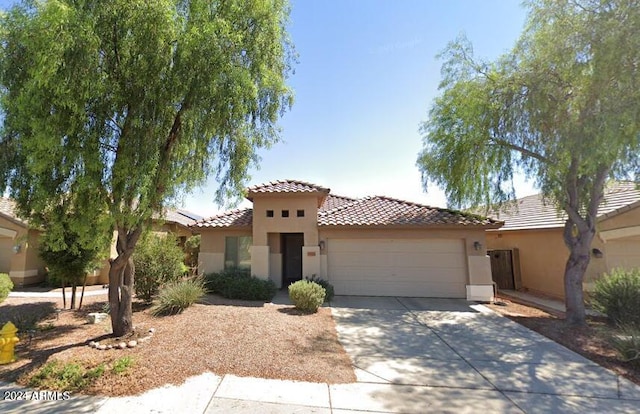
(157, 260)
(238, 284)
(192, 248)
(627, 343)
(121, 365)
(122, 106)
(561, 107)
(72, 244)
(5, 286)
(617, 295)
(175, 297)
(328, 287)
(306, 295)
(68, 377)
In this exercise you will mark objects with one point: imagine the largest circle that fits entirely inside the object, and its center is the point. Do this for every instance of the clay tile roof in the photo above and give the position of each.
(533, 212)
(334, 201)
(386, 211)
(287, 186)
(8, 209)
(233, 218)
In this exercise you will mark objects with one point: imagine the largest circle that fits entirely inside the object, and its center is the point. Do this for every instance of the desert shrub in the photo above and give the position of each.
(175, 297)
(328, 287)
(68, 377)
(617, 295)
(157, 260)
(238, 284)
(306, 295)
(5, 286)
(627, 343)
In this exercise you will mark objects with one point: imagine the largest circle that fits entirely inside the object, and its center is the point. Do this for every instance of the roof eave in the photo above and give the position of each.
(412, 226)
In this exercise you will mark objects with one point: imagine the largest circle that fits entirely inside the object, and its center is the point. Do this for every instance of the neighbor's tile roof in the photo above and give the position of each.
(287, 186)
(533, 212)
(386, 211)
(8, 209)
(183, 217)
(233, 218)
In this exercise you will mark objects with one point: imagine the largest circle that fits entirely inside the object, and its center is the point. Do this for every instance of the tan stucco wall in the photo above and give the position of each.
(24, 267)
(212, 243)
(628, 218)
(263, 225)
(543, 257)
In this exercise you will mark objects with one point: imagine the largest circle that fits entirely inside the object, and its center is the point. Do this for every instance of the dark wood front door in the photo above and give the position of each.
(502, 268)
(291, 257)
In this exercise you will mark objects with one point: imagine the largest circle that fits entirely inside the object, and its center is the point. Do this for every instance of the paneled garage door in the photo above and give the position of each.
(396, 267)
(6, 252)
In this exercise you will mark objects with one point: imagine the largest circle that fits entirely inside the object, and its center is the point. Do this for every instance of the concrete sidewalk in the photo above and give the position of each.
(411, 355)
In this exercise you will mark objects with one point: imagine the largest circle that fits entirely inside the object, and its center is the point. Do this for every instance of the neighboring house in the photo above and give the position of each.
(529, 253)
(375, 246)
(19, 249)
(176, 222)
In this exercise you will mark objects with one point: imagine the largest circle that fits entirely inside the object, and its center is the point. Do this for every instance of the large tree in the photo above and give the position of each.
(134, 102)
(562, 107)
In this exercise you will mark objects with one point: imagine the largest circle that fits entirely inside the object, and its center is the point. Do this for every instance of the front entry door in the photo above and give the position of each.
(291, 257)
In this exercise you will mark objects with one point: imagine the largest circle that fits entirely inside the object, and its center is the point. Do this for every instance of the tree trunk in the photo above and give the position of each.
(578, 234)
(73, 294)
(84, 285)
(64, 295)
(121, 273)
(573, 277)
(120, 292)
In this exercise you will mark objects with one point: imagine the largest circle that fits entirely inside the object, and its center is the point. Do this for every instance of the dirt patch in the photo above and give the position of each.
(219, 335)
(589, 341)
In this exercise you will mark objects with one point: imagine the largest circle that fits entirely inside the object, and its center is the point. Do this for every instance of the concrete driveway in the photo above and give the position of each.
(445, 355)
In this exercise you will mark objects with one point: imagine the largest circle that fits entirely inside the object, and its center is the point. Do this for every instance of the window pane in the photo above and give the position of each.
(230, 252)
(244, 252)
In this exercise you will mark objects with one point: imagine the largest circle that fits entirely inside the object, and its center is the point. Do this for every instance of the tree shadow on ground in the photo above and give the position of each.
(295, 311)
(37, 356)
(27, 316)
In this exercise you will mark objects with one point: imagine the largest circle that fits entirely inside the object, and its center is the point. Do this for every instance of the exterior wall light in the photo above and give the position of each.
(477, 245)
(597, 253)
(321, 244)
(16, 248)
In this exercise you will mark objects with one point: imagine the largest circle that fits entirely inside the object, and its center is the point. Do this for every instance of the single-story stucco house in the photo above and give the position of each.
(19, 255)
(375, 246)
(528, 252)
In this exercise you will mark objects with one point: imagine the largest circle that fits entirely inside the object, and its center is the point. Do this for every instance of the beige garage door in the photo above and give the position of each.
(384, 267)
(6, 244)
(623, 253)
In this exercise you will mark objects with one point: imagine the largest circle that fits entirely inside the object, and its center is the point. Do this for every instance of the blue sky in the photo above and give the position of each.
(366, 78)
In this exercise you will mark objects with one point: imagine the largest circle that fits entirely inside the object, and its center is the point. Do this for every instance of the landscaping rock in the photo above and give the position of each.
(102, 347)
(96, 317)
(122, 345)
(132, 344)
